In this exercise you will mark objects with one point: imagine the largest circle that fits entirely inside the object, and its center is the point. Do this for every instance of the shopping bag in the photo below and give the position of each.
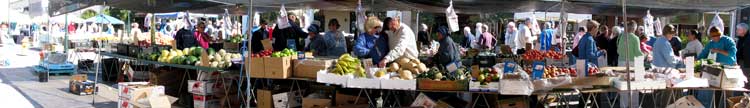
(686, 102)
(282, 21)
(451, 17)
(712, 56)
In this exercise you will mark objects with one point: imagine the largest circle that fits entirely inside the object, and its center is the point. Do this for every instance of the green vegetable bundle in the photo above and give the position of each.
(349, 65)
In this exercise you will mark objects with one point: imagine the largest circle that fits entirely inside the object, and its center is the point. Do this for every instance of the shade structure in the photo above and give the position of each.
(104, 19)
(71, 19)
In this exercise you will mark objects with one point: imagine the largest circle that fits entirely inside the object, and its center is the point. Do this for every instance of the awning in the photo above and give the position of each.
(597, 7)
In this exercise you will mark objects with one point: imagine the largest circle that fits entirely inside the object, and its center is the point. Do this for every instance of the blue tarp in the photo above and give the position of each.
(104, 19)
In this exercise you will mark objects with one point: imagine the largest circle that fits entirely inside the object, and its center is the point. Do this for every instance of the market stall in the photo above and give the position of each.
(291, 78)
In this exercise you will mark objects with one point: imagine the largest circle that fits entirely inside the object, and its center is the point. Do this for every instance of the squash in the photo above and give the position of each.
(423, 68)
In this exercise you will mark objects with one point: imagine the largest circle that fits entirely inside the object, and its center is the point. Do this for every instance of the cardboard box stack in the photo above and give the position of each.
(142, 95)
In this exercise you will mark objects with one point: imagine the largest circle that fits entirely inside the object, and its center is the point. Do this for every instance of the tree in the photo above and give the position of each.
(88, 14)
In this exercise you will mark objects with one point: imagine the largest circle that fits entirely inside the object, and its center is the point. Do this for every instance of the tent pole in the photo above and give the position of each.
(247, 69)
(563, 24)
(627, 54)
(733, 22)
(65, 36)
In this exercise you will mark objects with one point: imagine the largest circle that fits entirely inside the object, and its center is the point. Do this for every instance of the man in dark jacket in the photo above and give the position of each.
(448, 51)
(259, 35)
(293, 33)
(743, 50)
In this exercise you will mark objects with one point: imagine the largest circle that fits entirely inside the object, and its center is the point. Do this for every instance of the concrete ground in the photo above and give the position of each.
(20, 88)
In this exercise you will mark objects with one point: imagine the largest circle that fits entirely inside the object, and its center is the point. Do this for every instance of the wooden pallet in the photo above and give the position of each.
(39, 69)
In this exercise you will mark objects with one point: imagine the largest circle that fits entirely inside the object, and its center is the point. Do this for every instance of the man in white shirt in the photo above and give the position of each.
(401, 41)
(511, 34)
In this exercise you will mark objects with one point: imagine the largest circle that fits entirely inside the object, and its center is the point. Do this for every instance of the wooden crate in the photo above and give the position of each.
(429, 84)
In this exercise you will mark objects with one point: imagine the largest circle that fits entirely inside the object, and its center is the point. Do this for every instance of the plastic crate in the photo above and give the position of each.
(52, 66)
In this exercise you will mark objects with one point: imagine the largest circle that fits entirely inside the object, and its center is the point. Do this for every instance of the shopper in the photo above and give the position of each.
(545, 39)
(612, 55)
(468, 38)
(524, 38)
(663, 54)
(335, 39)
(743, 50)
(401, 42)
(723, 46)
(319, 45)
(629, 45)
(694, 45)
(370, 44)
(260, 34)
(511, 37)
(601, 39)
(293, 33)
(423, 36)
(676, 43)
(587, 46)
(200, 35)
(487, 41)
(448, 51)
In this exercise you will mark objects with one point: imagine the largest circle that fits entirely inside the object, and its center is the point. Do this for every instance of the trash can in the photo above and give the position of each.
(43, 76)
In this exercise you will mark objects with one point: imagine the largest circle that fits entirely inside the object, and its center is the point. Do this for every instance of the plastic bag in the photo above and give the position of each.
(283, 20)
(451, 17)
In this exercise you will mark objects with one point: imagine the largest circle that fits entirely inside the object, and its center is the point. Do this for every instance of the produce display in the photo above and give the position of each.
(439, 75)
(235, 38)
(347, 64)
(264, 53)
(407, 68)
(553, 71)
(488, 75)
(191, 56)
(537, 55)
(284, 53)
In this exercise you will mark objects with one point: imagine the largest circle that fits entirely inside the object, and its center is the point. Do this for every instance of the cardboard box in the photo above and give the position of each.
(205, 101)
(516, 87)
(308, 68)
(397, 84)
(278, 67)
(363, 83)
(81, 87)
(257, 67)
(129, 91)
(286, 100)
(78, 77)
(267, 99)
(726, 78)
(315, 103)
(202, 87)
(124, 103)
(208, 75)
(344, 99)
(423, 101)
(429, 84)
(513, 103)
(264, 99)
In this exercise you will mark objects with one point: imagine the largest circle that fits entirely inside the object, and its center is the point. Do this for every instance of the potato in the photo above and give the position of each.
(415, 70)
(394, 67)
(402, 61)
(406, 75)
(423, 67)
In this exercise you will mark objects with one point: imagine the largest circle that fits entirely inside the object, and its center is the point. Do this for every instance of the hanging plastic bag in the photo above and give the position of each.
(307, 18)
(716, 22)
(648, 24)
(361, 17)
(282, 21)
(658, 26)
(451, 17)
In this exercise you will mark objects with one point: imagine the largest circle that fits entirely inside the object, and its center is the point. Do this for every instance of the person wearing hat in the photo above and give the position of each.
(335, 39)
(723, 46)
(402, 42)
(319, 45)
(448, 50)
(370, 44)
